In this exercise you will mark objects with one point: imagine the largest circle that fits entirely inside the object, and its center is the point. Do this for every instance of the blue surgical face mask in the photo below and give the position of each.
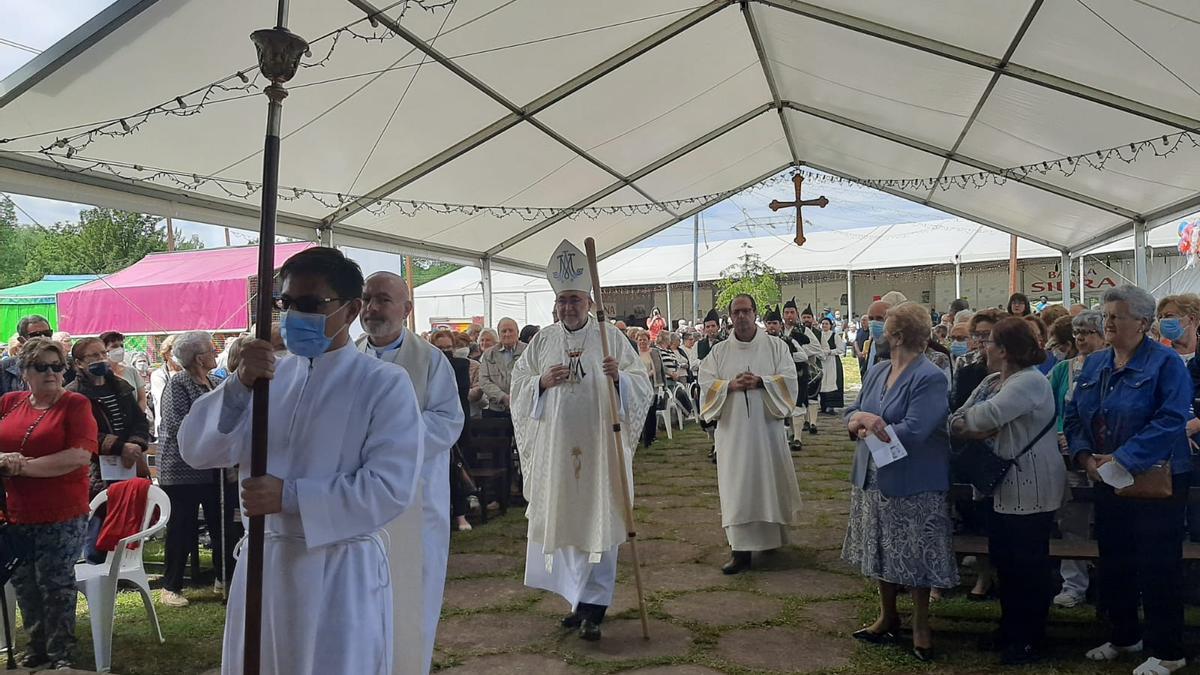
(1171, 328)
(304, 333)
(959, 348)
(99, 369)
(876, 329)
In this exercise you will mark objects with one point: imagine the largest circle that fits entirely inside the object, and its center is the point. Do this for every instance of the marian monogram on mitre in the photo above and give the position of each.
(567, 271)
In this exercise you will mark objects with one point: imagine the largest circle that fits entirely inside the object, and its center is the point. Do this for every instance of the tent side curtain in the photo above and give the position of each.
(10, 316)
(194, 290)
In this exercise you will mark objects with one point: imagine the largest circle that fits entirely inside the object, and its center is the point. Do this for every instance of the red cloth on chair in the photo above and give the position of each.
(126, 506)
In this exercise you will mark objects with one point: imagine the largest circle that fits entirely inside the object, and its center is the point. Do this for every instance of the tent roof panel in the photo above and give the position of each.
(825, 143)
(524, 72)
(166, 269)
(44, 289)
(1066, 30)
(696, 89)
(608, 230)
(748, 150)
(902, 74)
(980, 25)
(1012, 130)
(870, 80)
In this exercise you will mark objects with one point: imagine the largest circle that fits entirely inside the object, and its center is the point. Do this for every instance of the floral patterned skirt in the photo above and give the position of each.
(902, 540)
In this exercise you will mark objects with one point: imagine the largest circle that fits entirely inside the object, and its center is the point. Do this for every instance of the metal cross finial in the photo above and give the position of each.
(820, 202)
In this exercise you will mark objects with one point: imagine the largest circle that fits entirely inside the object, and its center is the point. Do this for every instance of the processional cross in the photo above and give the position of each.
(820, 202)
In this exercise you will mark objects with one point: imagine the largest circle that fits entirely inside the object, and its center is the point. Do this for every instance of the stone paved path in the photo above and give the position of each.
(792, 614)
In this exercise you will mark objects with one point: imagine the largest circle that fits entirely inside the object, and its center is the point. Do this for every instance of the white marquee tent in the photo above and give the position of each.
(585, 103)
(528, 299)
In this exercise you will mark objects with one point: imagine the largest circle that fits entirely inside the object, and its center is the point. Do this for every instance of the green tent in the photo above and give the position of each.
(40, 297)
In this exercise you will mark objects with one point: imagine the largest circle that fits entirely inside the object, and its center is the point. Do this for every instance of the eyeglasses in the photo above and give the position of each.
(1083, 332)
(45, 367)
(309, 304)
(41, 333)
(982, 337)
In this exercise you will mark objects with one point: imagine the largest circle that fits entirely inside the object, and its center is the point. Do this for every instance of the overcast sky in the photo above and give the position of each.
(38, 24)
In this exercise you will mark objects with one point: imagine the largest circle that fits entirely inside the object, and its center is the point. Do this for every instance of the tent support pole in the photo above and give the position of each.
(695, 266)
(849, 295)
(1141, 275)
(668, 304)
(279, 53)
(1082, 279)
(408, 276)
(1065, 278)
(1012, 264)
(485, 268)
(957, 277)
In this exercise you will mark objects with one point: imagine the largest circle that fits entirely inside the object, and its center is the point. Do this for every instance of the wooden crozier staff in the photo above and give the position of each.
(626, 496)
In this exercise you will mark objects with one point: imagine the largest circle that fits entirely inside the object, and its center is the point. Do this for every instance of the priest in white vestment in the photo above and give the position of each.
(422, 532)
(346, 441)
(562, 418)
(748, 386)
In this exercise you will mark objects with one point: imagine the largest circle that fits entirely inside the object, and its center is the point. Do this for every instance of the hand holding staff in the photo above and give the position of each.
(589, 246)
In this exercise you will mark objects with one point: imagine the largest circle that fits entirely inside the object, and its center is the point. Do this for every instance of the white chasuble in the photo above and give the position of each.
(760, 497)
(346, 437)
(422, 533)
(565, 438)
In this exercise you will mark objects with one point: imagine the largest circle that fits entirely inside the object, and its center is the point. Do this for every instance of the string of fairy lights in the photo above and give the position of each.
(67, 148)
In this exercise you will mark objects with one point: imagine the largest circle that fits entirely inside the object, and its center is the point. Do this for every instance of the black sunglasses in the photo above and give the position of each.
(41, 333)
(309, 304)
(43, 367)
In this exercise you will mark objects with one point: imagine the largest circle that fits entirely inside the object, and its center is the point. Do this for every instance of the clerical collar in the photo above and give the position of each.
(394, 344)
(585, 325)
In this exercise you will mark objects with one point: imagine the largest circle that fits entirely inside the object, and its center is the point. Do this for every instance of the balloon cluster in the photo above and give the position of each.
(1189, 241)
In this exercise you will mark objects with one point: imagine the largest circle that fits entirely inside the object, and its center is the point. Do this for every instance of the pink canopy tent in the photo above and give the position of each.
(170, 292)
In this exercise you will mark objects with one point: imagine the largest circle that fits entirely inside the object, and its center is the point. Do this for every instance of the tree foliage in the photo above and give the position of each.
(749, 275)
(427, 269)
(102, 242)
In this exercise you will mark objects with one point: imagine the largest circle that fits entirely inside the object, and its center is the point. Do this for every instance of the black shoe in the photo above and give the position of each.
(738, 562)
(813, 430)
(1018, 655)
(589, 630)
(871, 637)
(923, 654)
(571, 620)
(32, 660)
(972, 596)
(807, 426)
(796, 446)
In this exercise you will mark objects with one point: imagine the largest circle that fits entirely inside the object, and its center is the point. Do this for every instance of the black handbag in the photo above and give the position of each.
(975, 463)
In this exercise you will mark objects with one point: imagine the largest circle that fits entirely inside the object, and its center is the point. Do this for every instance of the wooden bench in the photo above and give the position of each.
(1059, 549)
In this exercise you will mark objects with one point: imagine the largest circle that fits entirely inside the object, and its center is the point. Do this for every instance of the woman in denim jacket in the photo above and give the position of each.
(1130, 406)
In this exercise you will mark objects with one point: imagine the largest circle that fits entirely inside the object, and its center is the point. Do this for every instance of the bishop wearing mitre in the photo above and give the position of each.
(562, 417)
(748, 386)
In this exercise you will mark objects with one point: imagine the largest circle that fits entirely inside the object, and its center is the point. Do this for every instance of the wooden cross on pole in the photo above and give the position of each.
(820, 202)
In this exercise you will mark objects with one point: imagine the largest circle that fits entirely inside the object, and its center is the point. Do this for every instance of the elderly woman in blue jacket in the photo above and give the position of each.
(1130, 406)
(900, 529)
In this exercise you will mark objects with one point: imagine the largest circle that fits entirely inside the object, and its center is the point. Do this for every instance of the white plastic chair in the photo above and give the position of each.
(673, 404)
(98, 583)
(664, 415)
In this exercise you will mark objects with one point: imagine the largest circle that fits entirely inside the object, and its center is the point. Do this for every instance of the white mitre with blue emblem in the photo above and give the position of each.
(568, 270)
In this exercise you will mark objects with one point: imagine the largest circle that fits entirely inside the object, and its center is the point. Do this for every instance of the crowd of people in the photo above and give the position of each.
(1033, 404)
(1019, 405)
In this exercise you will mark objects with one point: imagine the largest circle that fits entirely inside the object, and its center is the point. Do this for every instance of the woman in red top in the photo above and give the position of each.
(47, 439)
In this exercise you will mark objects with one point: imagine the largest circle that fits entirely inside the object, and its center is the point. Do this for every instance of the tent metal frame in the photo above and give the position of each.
(122, 11)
